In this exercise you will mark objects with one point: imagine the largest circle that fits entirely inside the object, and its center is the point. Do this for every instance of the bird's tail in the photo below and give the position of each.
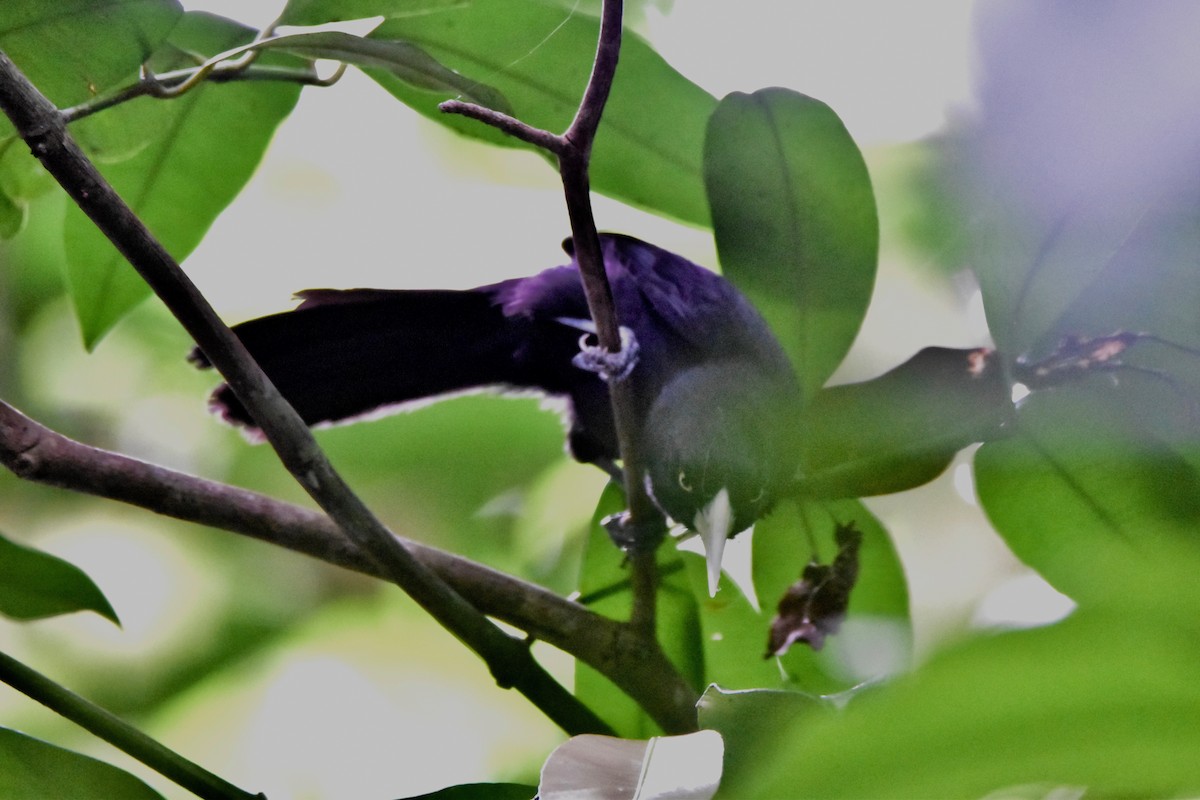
(344, 354)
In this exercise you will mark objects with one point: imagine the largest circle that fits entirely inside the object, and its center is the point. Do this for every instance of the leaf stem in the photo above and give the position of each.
(118, 733)
(146, 85)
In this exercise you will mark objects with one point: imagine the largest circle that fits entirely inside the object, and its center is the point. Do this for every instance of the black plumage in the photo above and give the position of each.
(716, 399)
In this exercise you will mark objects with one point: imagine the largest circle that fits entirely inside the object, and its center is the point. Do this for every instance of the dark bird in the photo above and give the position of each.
(716, 401)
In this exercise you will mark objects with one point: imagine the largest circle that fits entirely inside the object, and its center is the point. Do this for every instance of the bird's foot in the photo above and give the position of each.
(632, 536)
(612, 366)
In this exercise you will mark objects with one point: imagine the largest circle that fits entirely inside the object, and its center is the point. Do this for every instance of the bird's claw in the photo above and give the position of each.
(612, 366)
(632, 536)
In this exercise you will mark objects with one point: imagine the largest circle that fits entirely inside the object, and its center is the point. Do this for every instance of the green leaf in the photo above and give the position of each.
(795, 222)
(22, 179)
(1088, 497)
(406, 61)
(72, 51)
(604, 587)
(482, 791)
(31, 769)
(75, 49)
(750, 720)
(1106, 700)
(12, 216)
(210, 141)
(903, 428)
(649, 146)
(34, 585)
(319, 12)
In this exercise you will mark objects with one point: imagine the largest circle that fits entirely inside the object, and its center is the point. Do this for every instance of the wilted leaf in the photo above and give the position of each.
(34, 585)
(795, 222)
(814, 607)
(606, 768)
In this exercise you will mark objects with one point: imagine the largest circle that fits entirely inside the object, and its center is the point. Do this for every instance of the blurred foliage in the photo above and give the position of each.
(1071, 193)
(1092, 701)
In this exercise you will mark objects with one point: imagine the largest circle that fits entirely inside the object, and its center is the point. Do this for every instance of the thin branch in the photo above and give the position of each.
(145, 86)
(118, 733)
(36, 453)
(573, 149)
(582, 131)
(510, 662)
(510, 125)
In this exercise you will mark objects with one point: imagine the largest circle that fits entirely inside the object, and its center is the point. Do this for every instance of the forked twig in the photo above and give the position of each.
(573, 149)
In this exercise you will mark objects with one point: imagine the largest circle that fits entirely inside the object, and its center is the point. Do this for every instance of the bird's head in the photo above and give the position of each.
(719, 451)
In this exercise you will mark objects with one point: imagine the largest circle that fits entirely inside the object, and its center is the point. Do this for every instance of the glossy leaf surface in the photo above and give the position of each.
(1105, 700)
(795, 221)
(31, 769)
(34, 585)
(208, 143)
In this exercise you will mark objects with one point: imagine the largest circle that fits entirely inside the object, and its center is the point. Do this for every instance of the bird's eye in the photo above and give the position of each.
(762, 491)
(684, 483)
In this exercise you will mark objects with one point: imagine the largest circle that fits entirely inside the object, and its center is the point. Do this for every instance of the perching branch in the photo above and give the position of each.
(33, 452)
(41, 126)
(573, 149)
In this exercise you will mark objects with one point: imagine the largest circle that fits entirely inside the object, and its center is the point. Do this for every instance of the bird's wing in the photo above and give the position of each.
(343, 354)
(696, 304)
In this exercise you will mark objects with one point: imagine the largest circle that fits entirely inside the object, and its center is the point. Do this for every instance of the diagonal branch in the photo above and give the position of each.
(573, 149)
(41, 125)
(33, 452)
